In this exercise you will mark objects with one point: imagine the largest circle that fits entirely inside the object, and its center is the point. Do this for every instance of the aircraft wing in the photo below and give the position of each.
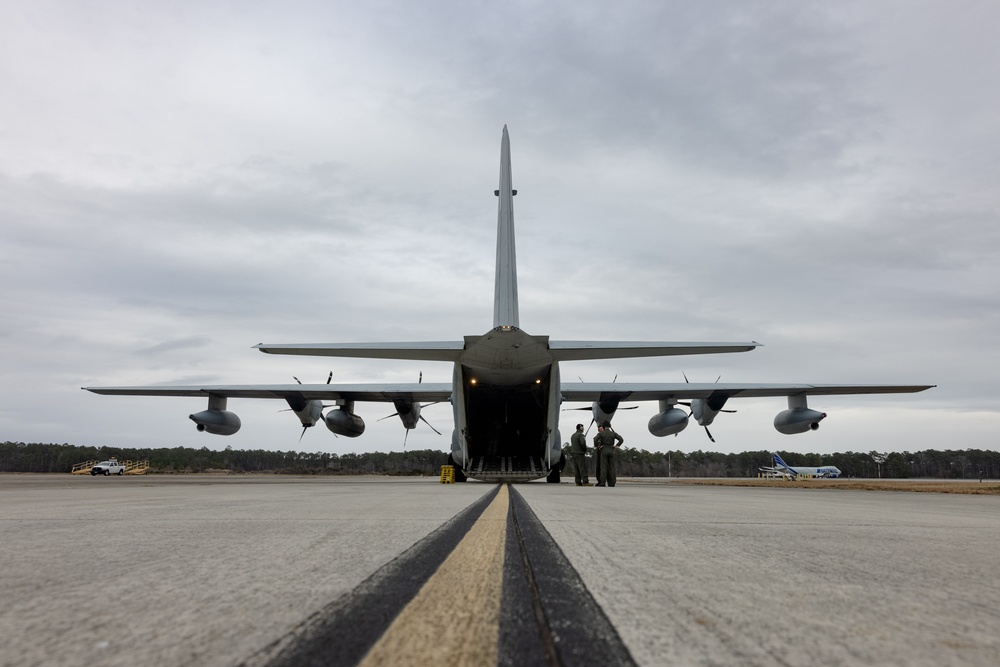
(427, 391)
(596, 391)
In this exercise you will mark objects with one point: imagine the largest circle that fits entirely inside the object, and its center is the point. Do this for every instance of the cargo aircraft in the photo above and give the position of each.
(506, 391)
(787, 471)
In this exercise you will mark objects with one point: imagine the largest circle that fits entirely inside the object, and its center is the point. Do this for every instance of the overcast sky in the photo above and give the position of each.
(181, 181)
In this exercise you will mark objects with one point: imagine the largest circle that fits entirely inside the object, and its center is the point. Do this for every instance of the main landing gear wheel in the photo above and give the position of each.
(459, 475)
(556, 473)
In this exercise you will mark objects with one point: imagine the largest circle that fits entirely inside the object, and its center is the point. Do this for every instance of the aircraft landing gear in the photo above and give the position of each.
(556, 472)
(459, 475)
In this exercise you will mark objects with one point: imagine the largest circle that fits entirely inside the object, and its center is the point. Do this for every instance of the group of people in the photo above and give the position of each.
(606, 445)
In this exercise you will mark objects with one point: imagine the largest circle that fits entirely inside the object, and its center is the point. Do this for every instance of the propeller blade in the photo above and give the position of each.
(429, 425)
(709, 433)
(328, 378)
(303, 433)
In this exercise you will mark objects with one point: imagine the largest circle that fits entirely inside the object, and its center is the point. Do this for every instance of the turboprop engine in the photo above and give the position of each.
(408, 412)
(604, 410)
(600, 416)
(343, 421)
(216, 420)
(798, 418)
(669, 420)
(704, 410)
(309, 411)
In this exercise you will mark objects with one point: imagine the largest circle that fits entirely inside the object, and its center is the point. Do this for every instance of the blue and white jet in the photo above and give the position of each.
(506, 391)
(782, 468)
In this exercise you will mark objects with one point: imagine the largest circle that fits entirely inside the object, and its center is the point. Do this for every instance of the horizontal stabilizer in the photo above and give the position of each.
(427, 351)
(577, 350)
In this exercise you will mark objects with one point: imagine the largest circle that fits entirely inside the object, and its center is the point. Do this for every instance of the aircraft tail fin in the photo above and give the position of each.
(781, 465)
(505, 291)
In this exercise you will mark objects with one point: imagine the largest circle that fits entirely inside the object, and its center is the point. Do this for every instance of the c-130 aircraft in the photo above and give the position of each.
(506, 392)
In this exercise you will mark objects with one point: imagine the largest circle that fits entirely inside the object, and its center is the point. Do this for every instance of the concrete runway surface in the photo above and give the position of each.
(275, 570)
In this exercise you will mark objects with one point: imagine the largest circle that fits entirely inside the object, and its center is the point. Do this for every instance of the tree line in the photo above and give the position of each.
(946, 464)
(35, 457)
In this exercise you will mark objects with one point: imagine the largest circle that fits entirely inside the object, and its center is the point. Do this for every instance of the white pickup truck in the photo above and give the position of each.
(108, 468)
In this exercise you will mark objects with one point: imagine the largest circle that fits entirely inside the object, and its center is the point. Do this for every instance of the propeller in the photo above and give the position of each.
(406, 434)
(328, 378)
(322, 407)
(591, 409)
(688, 404)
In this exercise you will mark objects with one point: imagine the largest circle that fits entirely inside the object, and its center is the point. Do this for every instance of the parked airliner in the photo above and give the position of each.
(782, 468)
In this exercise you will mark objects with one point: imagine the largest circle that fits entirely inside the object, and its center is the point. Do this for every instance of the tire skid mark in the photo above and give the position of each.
(568, 619)
(343, 631)
(490, 586)
(454, 619)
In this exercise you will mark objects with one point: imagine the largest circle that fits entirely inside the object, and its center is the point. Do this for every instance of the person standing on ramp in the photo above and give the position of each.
(578, 450)
(597, 453)
(609, 442)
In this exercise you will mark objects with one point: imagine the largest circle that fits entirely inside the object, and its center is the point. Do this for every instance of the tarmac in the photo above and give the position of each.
(271, 570)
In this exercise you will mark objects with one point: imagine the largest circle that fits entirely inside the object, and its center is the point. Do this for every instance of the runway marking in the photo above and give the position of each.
(548, 617)
(490, 587)
(342, 632)
(454, 619)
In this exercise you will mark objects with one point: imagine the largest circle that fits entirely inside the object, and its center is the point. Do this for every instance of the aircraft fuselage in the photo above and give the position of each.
(506, 403)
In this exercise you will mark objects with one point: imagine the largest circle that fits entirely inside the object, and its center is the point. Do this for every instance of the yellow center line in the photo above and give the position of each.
(455, 618)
